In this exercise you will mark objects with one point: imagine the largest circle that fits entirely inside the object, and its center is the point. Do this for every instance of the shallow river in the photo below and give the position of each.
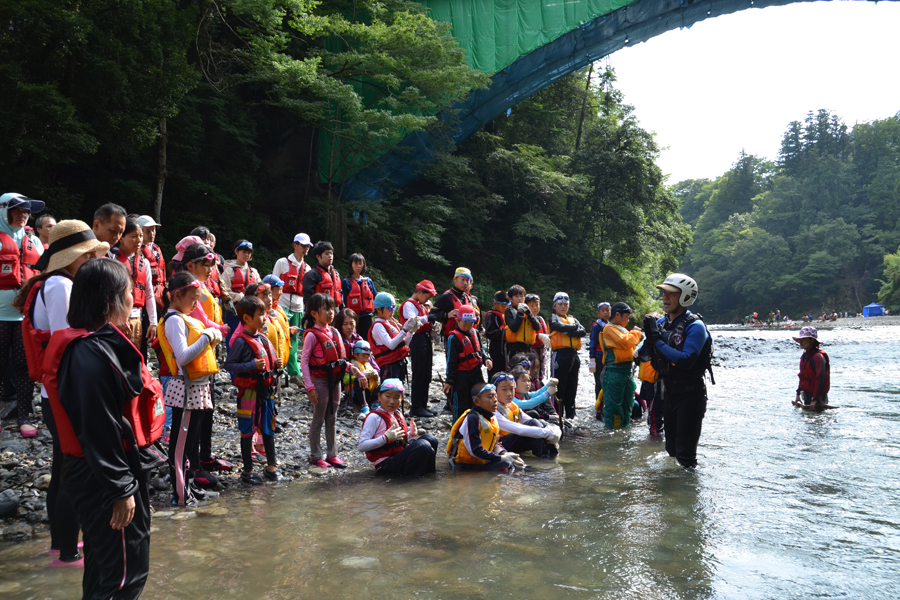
(785, 504)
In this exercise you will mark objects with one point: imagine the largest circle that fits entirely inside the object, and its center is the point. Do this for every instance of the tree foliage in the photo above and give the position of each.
(807, 234)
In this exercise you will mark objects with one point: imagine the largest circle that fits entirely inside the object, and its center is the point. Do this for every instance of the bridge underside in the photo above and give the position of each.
(634, 23)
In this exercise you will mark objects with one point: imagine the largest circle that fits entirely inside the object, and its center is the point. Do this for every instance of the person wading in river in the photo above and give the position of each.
(682, 348)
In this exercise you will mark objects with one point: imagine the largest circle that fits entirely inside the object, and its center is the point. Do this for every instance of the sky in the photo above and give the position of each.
(736, 81)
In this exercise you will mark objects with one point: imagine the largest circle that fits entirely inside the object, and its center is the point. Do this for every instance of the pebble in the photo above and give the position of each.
(164, 513)
(184, 516)
(42, 482)
(361, 562)
(9, 503)
(18, 532)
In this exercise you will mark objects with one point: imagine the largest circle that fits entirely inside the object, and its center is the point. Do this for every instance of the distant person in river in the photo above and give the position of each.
(815, 371)
(474, 443)
(682, 351)
(358, 293)
(394, 447)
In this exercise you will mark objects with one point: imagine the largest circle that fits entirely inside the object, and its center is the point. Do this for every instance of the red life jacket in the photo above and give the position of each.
(450, 325)
(139, 276)
(813, 382)
(334, 358)
(422, 312)
(391, 448)
(214, 284)
(238, 282)
(263, 350)
(145, 412)
(361, 299)
(500, 316)
(157, 264)
(382, 354)
(35, 340)
(538, 344)
(17, 264)
(470, 352)
(293, 278)
(330, 285)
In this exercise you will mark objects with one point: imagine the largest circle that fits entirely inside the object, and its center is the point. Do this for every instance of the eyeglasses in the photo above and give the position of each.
(194, 284)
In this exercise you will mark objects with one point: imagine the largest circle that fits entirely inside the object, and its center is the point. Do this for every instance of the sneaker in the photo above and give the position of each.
(252, 478)
(216, 464)
(421, 412)
(205, 479)
(334, 461)
(318, 462)
(78, 562)
(274, 476)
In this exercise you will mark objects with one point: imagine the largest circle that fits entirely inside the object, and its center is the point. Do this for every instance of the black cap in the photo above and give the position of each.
(620, 307)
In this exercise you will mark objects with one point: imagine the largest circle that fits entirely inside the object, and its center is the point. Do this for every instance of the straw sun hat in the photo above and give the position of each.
(69, 240)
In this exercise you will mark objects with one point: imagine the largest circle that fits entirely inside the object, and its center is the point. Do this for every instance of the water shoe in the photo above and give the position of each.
(334, 461)
(252, 479)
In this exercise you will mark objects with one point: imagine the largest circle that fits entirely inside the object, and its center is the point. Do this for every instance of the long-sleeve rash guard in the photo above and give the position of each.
(533, 399)
(514, 427)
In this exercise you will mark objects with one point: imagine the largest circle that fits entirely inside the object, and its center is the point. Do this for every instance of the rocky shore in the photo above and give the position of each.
(25, 463)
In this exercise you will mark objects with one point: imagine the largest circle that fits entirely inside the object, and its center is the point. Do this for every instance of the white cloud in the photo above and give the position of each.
(736, 81)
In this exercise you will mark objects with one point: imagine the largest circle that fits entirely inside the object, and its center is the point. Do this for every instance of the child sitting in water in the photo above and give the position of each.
(815, 371)
(389, 443)
(518, 431)
(546, 409)
(474, 443)
(362, 390)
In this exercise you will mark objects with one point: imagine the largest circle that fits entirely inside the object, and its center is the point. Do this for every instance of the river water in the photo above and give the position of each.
(786, 503)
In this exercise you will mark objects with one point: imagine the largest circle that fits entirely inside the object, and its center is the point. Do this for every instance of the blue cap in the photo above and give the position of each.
(385, 300)
(391, 384)
(273, 281)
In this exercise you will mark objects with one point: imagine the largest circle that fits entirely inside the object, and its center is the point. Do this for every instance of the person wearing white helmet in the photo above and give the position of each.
(682, 349)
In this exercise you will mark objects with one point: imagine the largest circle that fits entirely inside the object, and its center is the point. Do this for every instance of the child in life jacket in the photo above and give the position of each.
(278, 313)
(323, 363)
(474, 443)
(521, 324)
(518, 431)
(323, 278)
(236, 277)
(358, 293)
(291, 270)
(187, 347)
(541, 346)
(421, 348)
(565, 342)
(815, 371)
(495, 332)
(255, 364)
(394, 447)
(362, 391)
(595, 350)
(199, 261)
(532, 393)
(464, 360)
(619, 346)
(389, 340)
(129, 254)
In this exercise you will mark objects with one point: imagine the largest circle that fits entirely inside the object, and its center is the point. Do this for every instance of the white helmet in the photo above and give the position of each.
(684, 285)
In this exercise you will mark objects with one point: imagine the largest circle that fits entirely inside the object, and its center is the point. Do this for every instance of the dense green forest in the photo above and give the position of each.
(217, 113)
(817, 230)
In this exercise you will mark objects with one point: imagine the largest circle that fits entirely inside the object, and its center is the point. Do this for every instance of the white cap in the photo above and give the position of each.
(302, 238)
(147, 221)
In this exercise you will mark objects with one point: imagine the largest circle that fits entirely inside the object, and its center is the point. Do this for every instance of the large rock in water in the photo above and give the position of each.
(9, 504)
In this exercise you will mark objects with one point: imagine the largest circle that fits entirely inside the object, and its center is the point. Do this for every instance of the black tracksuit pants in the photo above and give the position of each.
(565, 368)
(64, 524)
(116, 563)
(685, 406)
(416, 460)
(422, 358)
(461, 392)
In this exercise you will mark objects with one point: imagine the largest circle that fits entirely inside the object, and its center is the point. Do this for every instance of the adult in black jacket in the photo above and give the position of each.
(97, 374)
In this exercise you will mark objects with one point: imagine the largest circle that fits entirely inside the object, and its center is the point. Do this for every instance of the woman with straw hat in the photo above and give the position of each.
(45, 302)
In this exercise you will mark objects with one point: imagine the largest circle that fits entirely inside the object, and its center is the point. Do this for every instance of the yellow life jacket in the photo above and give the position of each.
(513, 413)
(615, 355)
(203, 365)
(211, 306)
(490, 435)
(367, 370)
(277, 336)
(647, 373)
(559, 340)
(525, 335)
(285, 324)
